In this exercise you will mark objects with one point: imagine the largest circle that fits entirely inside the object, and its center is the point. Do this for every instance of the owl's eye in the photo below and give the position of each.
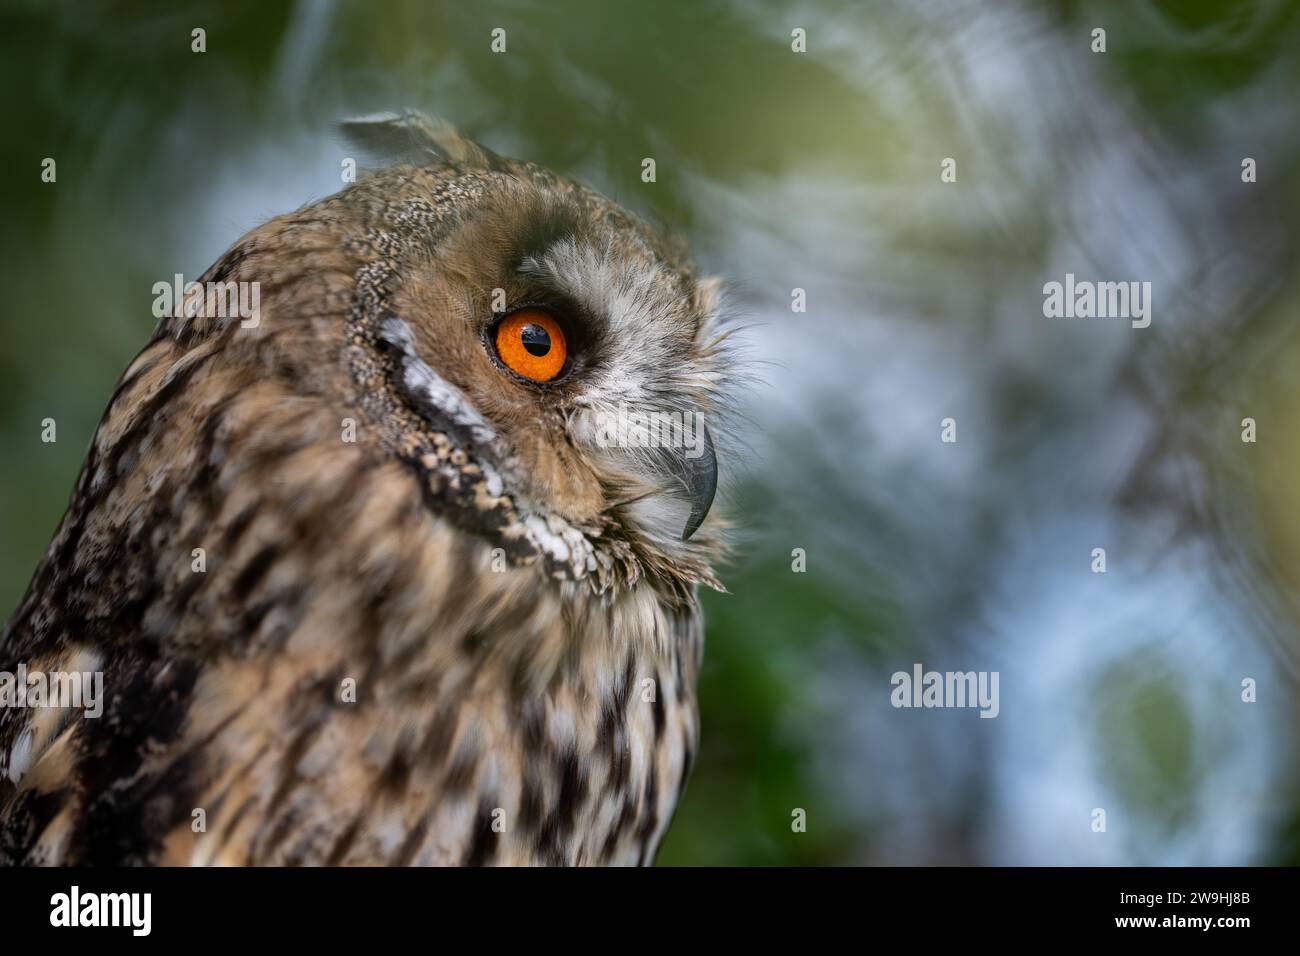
(531, 343)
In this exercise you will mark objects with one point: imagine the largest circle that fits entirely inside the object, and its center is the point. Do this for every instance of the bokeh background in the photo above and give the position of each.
(817, 171)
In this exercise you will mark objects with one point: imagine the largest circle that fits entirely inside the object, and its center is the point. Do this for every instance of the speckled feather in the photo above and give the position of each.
(524, 642)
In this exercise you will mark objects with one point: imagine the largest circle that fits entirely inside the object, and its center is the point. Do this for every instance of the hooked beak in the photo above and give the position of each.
(700, 476)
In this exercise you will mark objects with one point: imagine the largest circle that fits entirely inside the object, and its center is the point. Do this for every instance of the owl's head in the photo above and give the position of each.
(552, 365)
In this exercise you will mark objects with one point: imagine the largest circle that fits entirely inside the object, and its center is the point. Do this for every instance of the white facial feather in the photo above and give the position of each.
(657, 361)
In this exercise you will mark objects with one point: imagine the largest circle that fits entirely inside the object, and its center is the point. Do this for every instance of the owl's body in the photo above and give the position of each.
(359, 593)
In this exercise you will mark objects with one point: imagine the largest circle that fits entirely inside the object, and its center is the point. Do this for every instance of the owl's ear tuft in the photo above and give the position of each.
(710, 295)
(412, 137)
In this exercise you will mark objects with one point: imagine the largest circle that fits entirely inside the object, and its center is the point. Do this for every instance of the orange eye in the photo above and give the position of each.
(531, 344)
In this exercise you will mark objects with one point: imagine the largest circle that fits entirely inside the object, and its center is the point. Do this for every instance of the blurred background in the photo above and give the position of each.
(817, 171)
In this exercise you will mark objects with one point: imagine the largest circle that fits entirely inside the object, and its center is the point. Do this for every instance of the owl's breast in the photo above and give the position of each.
(554, 730)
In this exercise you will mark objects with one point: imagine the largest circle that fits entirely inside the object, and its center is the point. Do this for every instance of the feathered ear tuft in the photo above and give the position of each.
(710, 292)
(413, 137)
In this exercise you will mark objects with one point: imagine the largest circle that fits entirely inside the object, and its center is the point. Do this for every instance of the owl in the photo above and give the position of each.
(402, 569)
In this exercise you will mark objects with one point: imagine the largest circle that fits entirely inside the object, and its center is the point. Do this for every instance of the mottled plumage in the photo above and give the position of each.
(515, 603)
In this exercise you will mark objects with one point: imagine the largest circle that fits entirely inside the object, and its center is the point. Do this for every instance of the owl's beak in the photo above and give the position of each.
(700, 475)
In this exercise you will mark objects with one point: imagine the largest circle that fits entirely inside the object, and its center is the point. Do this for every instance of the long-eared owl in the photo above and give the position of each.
(403, 569)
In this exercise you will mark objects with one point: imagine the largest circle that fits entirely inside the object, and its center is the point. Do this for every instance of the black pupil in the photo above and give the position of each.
(536, 340)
